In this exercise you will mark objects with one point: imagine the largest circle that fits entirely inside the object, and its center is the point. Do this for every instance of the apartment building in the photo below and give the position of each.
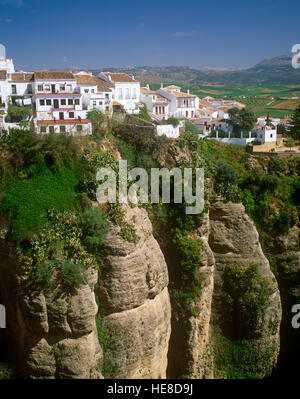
(96, 93)
(157, 105)
(126, 90)
(181, 105)
(58, 101)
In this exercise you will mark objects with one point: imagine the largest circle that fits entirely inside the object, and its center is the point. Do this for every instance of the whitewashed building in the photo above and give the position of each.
(4, 91)
(126, 90)
(266, 134)
(59, 106)
(157, 105)
(96, 93)
(6, 64)
(181, 105)
(21, 86)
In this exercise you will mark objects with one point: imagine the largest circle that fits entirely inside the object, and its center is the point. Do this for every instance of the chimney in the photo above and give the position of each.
(132, 77)
(161, 86)
(147, 86)
(188, 92)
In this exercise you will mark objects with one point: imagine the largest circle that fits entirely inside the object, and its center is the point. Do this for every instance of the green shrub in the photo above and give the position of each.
(246, 296)
(72, 275)
(43, 275)
(173, 121)
(144, 114)
(94, 229)
(6, 371)
(26, 202)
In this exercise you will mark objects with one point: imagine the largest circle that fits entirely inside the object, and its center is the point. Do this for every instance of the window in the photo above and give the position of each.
(29, 89)
(106, 95)
(93, 90)
(43, 129)
(40, 87)
(63, 102)
(271, 135)
(62, 87)
(127, 94)
(62, 129)
(47, 88)
(69, 88)
(134, 93)
(120, 95)
(48, 102)
(42, 102)
(94, 103)
(51, 129)
(79, 128)
(13, 89)
(70, 101)
(100, 103)
(77, 101)
(71, 115)
(86, 90)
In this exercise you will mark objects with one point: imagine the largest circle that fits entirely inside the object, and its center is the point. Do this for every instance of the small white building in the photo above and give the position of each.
(181, 105)
(6, 64)
(266, 134)
(157, 106)
(21, 86)
(96, 93)
(4, 91)
(126, 90)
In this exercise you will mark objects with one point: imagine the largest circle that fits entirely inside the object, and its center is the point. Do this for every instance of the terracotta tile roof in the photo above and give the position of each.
(119, 77)
(179, 94)
(3, 75)
(55, 75)
(21, 77)
(203, 102)
(225, 109)
(94, 81)
(62, 121)
(146, 91)
(172, 87)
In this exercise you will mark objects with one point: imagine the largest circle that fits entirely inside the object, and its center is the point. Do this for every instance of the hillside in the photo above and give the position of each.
(276, 70)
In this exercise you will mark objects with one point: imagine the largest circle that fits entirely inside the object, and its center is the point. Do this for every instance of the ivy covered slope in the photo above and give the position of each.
(55, 253)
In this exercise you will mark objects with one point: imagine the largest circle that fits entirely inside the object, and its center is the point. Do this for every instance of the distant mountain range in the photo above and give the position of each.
(277, 70)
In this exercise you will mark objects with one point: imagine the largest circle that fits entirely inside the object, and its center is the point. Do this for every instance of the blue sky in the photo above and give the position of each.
(97, 34)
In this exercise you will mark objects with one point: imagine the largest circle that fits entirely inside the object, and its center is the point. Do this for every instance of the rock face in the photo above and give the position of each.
(50, 335)
(53, 335)
(234, 240)
(230, 237)
(134, 297)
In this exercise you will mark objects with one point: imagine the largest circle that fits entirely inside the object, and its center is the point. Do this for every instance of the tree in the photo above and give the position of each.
(295, 125)
(97, 118)
(24, 124)
(241, 119)
(144, 114)
(268, 121)
(290, 143)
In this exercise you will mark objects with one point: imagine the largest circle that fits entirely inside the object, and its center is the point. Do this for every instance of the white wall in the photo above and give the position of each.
(168, 130)
(128, 94)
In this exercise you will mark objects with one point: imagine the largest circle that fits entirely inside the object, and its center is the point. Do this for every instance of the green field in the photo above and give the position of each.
(257, 98)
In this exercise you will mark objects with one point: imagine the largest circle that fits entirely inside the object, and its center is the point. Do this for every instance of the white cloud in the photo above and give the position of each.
(183, 33)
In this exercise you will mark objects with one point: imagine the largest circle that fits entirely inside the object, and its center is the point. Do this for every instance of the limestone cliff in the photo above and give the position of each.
(134, 297)
(233, 240)
(51, 334)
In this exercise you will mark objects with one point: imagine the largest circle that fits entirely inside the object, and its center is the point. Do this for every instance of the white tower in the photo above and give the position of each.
(5, 63)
